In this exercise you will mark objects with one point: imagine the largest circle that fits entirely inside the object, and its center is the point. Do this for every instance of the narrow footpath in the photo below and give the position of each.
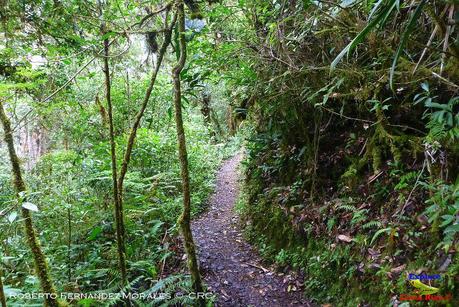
(231, 267)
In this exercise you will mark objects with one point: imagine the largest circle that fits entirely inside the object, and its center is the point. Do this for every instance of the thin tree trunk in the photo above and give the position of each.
(128, 90)
(2, 292)
(118, 180)
(116, 195)
(135, 127)
(138, 118)
(69, 244)
(214, 118)
(41, 266)
(315, 146)
(184, 219)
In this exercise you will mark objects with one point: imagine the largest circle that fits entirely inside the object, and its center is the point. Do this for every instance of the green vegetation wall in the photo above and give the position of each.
(352, 162)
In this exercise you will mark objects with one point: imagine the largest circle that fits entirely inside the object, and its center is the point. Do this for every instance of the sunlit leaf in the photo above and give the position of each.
(12, 217)
(29, 206)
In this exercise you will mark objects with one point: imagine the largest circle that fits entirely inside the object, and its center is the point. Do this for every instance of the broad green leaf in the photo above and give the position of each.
(453, 228)
(425, 86)
(447, 219)
(94, 233)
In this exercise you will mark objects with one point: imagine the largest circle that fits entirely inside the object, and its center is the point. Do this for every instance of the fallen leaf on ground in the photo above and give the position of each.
(344, 238)
(398, 269)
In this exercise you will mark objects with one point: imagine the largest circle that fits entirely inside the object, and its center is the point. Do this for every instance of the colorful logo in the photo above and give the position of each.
(422, 291)
(412, 276)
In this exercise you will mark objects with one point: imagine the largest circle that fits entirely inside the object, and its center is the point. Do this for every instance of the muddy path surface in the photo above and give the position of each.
(230, 266)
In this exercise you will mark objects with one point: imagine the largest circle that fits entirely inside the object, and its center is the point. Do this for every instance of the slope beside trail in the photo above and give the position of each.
(230, 266)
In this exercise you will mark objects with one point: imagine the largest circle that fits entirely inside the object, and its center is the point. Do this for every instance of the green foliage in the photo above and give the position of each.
(442, 210)
(382, 10)
(352, 155)
(79, 182)
(69, 172)
(350, 172)
(443, 118)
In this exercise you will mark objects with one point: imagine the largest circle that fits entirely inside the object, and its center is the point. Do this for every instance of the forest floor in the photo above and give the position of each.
(231, 267)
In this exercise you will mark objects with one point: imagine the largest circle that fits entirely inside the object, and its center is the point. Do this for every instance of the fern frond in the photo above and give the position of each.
(346, 207)
(372, 224)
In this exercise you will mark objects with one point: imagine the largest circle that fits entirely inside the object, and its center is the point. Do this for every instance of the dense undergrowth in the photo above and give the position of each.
(64, 147)
(350, 113)
(71, 190)
(351, 179)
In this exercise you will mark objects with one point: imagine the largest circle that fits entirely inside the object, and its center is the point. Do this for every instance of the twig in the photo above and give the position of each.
(141, 22)
(5, 211)
(447, 34)
(163, 265)
(348, 117)
(363, 148)
(259, 267)
(372, 122)
(412, 190)
(375, 177)
(425, 49)
(445, 80)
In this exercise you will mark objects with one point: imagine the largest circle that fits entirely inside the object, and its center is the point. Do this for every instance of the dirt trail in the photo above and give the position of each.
(231, 267)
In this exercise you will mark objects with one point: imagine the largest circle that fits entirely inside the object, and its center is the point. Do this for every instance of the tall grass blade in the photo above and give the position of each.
(403, 40)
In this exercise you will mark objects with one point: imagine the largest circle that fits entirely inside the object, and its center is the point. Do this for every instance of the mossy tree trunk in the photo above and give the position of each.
(139, 116)
(41, 266)
(205, 107)
(2, 292)
(118, 179)
(184, 219)
(119, 221)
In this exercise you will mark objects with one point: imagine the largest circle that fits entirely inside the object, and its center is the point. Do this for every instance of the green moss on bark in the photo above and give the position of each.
(41, 266)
